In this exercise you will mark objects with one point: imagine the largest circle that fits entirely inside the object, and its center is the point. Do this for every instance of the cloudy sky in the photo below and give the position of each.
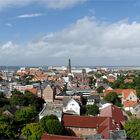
(90, 32)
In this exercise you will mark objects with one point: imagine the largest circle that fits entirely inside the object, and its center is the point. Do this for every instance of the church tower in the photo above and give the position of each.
(69, 66)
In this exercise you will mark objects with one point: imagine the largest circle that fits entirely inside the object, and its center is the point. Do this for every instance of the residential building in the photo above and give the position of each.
(71, 106)
(84, 126)
(93, 99)
(128, 97)
(110, 110)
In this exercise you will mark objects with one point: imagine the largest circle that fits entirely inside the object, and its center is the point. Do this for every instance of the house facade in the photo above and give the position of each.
(129, 98)
(71, 106)
(92, 99)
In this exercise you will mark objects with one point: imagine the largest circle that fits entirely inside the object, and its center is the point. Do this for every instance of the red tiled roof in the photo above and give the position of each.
(82, 121)
(114, 112)
(105, 127)
(33, 90)
(59, 137)
(126, 92)
(128, 80)
(102, 124)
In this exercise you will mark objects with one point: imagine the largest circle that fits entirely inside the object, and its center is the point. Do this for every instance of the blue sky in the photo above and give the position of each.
(90, 32)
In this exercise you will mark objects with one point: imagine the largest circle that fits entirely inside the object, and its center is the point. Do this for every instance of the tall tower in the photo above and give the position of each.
(69, 66)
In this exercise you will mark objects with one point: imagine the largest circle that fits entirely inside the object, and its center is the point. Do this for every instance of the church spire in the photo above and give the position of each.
(69, 66)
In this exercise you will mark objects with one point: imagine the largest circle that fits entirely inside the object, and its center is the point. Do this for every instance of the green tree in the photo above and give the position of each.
(15, 91)
(138, 92)
(112, 97)
(1, 95)
(6, 128)
(19, 99)
(3, 100)
(98, 74)
(6, 131)
(100, 89)
(51, 125)
(46, 118)
(119, 83)
(32, 131)
(92, 110)
(25, 115)
(54, 127)
(33, 100)
(105, 81)
(91, 81)
(27, 99)
(132, 128)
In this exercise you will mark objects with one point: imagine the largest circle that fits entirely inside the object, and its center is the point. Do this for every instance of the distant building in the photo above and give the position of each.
(93, 99)
(49, 93)
(57, 68)
(111, 78)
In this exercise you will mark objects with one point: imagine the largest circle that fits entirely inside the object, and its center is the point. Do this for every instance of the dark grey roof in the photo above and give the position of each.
(95, 97)
(65, 94)
(136, 105)
(62, 94)
(66, 100)
(46, 83)
(93, 137)
(117, 134)
(103, 102)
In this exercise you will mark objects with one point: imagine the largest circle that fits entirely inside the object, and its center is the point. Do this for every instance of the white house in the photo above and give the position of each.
(71, 106)
(129, 99)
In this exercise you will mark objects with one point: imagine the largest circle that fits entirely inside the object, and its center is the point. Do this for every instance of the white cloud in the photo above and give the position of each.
(10, 3)
(54, 4)
(87, 42)
(61, 4)
(30, 15)
(8, 25)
